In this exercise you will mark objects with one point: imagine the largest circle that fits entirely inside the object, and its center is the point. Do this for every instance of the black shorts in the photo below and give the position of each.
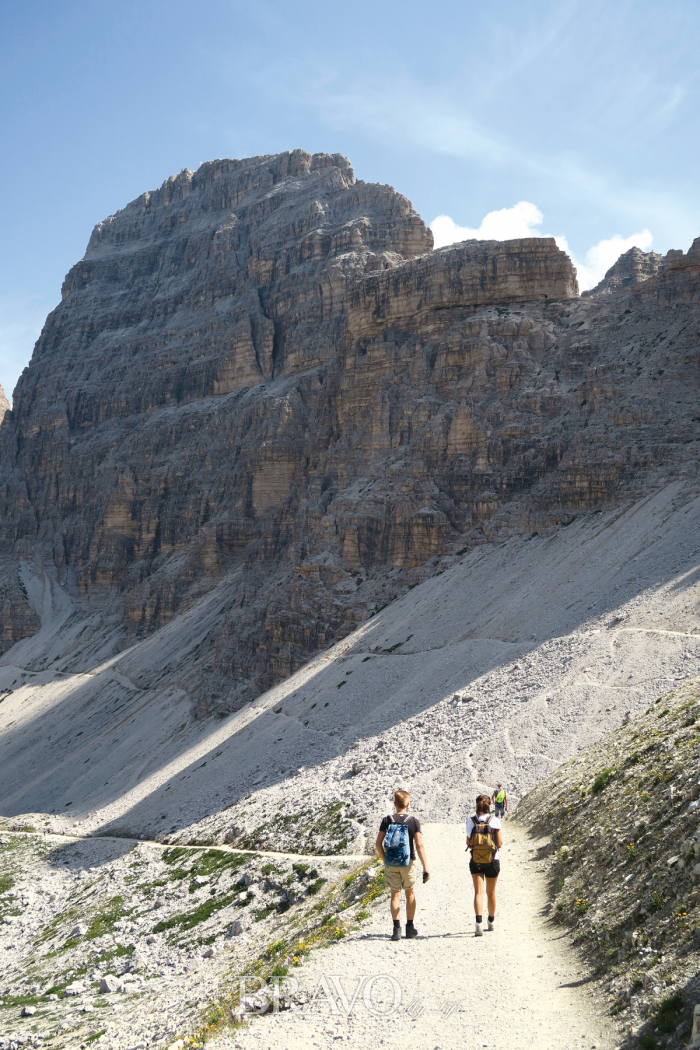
(491, 871)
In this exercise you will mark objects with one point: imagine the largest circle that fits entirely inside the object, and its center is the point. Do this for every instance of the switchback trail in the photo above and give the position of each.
(518, 988)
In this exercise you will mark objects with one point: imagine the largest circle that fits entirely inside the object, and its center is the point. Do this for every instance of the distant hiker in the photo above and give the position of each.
(484, 839)
(500, 798)
(397, 842)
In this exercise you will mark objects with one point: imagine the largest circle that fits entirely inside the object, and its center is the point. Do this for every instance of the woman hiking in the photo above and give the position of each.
(484, 839)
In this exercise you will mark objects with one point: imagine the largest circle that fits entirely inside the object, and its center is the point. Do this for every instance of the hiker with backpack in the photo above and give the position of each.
(500, 799)
(484, 839)
(398, 841)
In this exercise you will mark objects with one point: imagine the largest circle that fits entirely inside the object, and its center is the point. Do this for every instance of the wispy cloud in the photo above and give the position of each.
(523, 220)
(399, 110)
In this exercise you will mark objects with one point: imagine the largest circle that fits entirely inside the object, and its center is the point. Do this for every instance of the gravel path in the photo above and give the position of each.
(525, 974)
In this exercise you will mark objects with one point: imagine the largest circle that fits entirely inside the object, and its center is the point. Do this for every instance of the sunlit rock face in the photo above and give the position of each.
(262, 379)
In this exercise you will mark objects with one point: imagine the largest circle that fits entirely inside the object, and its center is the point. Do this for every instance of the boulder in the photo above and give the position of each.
(695, 1035)
(76, 988)
(137, 963)
(109, 984)
(78, 931)
(237, 927)
(28, 1011)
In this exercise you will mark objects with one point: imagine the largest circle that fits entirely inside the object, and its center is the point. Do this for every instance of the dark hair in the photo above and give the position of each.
(483, 804)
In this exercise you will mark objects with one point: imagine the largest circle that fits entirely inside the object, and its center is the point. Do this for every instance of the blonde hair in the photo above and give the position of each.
(401, 799)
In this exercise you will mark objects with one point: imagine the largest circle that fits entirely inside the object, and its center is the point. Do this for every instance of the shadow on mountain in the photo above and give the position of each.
(105, 739)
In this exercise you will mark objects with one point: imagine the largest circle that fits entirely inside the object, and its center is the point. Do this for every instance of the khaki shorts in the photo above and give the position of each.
(400, 878)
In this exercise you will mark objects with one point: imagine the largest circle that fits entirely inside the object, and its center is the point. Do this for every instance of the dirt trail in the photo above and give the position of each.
(533, 992)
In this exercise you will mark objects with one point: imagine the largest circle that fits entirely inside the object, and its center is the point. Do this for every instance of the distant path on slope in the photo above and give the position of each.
(518, 988)
(69, 837)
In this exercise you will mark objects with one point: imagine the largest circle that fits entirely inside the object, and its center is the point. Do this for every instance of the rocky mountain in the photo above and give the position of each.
(631, 268)
(261, 382)
(294, 511)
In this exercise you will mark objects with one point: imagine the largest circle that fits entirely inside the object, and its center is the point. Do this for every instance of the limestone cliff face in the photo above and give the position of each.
(261, 379)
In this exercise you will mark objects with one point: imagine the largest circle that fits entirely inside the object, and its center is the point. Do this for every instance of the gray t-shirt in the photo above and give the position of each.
(403, 818)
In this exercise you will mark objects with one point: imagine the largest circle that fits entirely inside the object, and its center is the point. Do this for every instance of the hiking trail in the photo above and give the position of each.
(518, 988)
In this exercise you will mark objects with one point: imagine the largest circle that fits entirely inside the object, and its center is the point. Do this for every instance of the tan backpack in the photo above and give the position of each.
(482, 841)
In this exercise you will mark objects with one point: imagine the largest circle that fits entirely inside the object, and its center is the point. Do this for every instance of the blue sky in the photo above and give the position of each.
(576, 119)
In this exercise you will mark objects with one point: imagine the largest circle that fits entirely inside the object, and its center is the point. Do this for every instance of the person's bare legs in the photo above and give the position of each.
(410, 904)
(491, 896)
(478, 881)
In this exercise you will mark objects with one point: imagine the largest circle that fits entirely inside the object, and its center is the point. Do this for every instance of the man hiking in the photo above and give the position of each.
(500, 800)
(484, 839)
(398, 841)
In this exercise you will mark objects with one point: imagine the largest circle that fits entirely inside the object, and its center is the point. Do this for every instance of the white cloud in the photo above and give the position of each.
(502, 225)
(521, 221)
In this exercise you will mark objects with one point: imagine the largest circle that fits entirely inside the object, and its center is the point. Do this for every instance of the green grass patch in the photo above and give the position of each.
(602, 780)
(12, 1001)
(668, 1014)
(6, 883)
(186, 920)
(51, 928)
(657, 902)
(175, 853)
(262, 913)
(105, 919)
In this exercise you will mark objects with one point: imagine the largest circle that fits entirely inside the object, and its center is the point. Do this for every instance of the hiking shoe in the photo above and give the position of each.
(490, 925)
(479, 931)
(411, 931)
(396, 935)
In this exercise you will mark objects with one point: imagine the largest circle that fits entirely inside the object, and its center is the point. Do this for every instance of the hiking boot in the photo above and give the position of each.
(479, 931)
(396, 935)
(490, 925)
(411, 931)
